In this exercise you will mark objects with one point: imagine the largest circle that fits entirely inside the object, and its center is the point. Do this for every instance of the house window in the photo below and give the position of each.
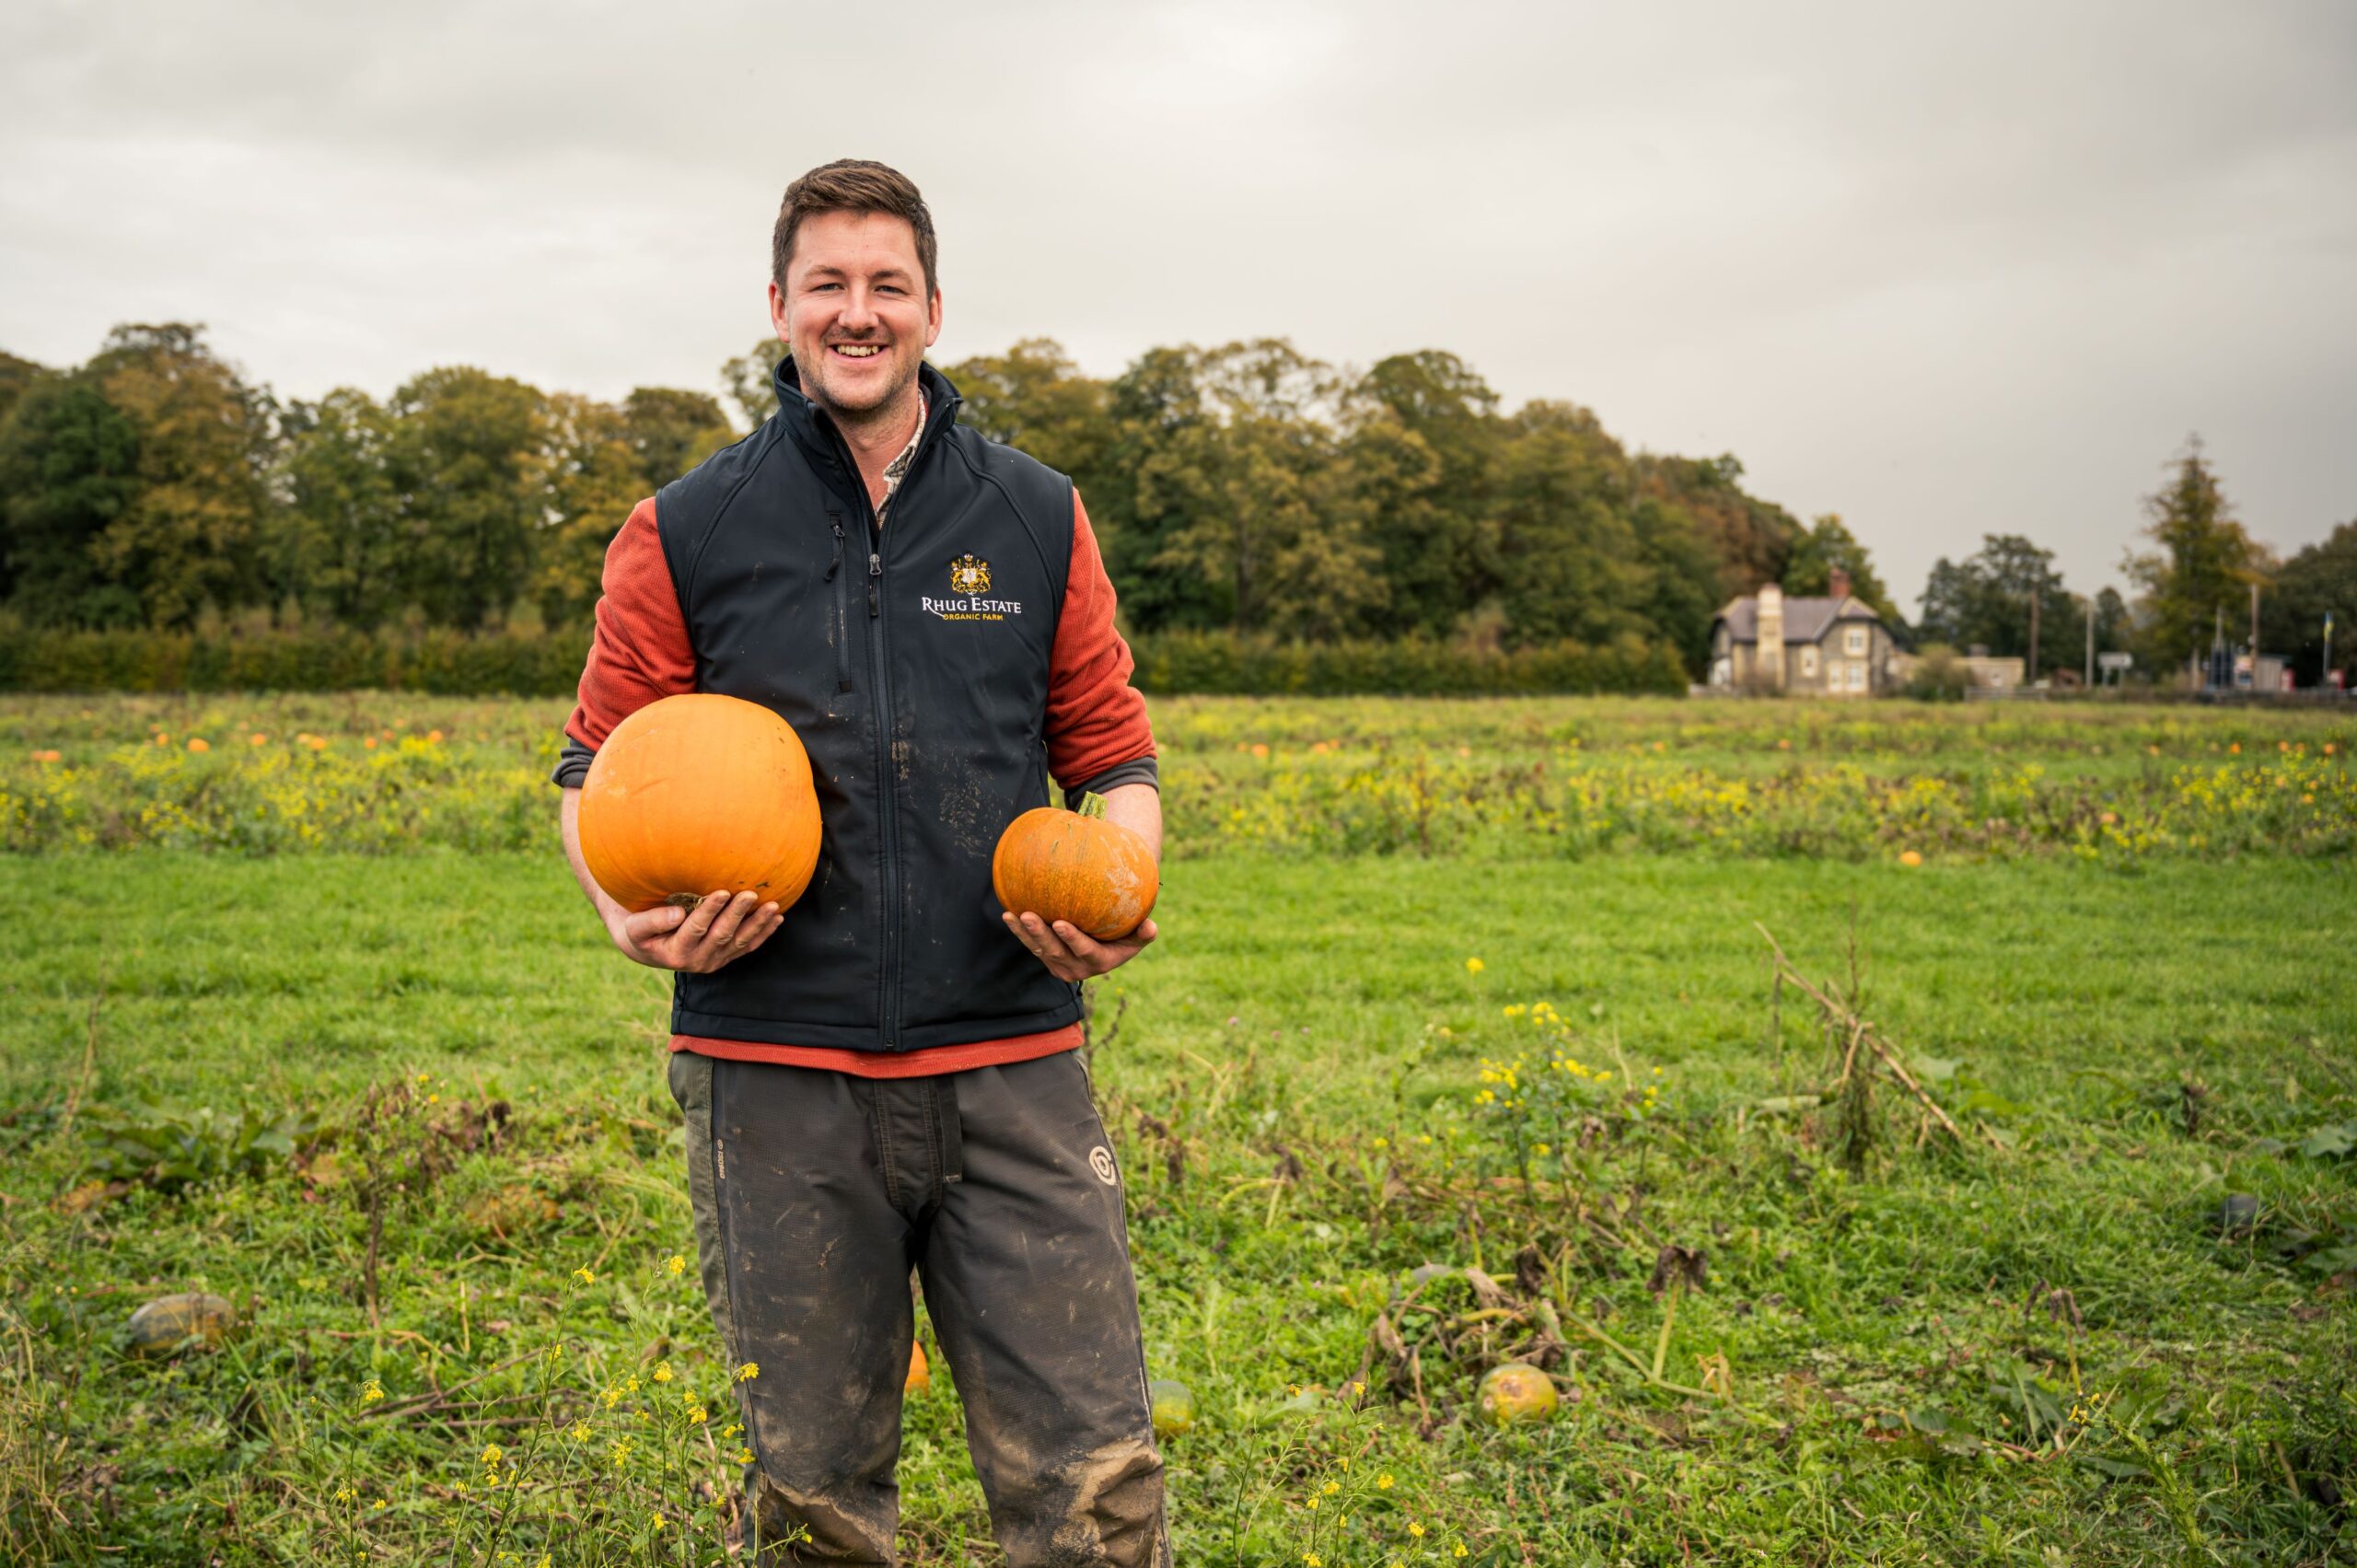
(1854, 641)
(1808, 664)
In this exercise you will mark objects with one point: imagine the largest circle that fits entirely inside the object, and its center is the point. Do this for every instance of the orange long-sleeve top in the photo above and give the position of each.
(1095, 724)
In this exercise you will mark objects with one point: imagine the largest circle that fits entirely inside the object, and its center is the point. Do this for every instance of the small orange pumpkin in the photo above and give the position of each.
(1076, 867)
(696, 793)
(920, 1377)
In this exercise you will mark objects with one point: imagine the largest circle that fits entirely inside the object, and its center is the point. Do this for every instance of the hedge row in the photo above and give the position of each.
(550, 665)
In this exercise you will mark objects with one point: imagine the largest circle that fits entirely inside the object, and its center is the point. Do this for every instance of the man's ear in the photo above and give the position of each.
(933, 320)
(782, 314)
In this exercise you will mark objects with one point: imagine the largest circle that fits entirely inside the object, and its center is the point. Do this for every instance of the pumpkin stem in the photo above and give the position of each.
(1092, 805)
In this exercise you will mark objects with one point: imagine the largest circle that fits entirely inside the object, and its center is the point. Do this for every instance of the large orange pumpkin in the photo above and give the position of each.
(698, 793)
(1076, 867)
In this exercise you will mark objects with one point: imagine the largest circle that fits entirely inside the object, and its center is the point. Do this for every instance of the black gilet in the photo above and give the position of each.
(913, 663)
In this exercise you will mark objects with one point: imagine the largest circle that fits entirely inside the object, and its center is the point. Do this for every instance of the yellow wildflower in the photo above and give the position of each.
(744, 1456)
(345, 1494)
(677, 1264)
(1474, 965)
(747, 1372)
(491, 1453)
(1383, 1482)
(372, 1392)
(586, 1275)
(1416, 1529)
(663, 1372)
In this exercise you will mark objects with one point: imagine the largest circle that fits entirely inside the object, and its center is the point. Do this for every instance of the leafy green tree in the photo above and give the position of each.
(749, 378)
(191, 535)
(1574, 566)
(1686, 574)
(670, 431)
(1423, 432)
(1984, 600)
(1827, 544)
(2319, 579)
(1752, 538)
(596, 474)
(69, 471)
(2199, 571)
(335, 546)
(468, 458)
(1155, 483)
(1034, 398)
(17, 377)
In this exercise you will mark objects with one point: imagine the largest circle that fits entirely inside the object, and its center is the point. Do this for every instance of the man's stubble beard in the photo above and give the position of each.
(896, 402)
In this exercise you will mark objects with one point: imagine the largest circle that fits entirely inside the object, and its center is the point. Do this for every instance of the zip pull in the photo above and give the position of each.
(875, 564)
(875, 570)
(836, 565)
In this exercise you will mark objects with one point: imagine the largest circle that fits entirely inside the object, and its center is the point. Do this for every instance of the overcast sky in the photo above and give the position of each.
(1943, 271)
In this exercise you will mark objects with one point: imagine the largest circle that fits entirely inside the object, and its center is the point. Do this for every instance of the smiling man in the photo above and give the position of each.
(883, 1077)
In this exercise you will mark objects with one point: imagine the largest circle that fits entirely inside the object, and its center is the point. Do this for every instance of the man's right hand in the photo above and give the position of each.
(716, 932)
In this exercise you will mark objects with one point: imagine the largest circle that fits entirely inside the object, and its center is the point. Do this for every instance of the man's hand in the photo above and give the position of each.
(716, 932)
(1070, 953)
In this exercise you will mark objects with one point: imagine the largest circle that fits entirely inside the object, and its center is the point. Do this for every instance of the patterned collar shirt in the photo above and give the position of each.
(897, 468)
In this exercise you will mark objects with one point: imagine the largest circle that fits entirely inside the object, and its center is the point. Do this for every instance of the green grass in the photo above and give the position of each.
(1300, 1010)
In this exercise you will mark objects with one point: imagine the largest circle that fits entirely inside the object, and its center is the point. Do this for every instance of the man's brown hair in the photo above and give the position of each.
(852, 185)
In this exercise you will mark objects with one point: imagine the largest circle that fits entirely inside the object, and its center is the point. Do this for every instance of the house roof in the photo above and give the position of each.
(1805, 620)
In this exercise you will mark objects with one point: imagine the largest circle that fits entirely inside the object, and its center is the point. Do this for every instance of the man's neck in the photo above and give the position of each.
(880, 435)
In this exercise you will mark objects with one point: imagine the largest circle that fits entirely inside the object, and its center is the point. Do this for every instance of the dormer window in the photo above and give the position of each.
(1854, 641)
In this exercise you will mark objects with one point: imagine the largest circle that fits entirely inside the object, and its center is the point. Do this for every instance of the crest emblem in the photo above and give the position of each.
(969, 575)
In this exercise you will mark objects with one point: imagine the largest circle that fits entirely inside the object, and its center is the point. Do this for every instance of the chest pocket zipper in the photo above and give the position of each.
(842, 607)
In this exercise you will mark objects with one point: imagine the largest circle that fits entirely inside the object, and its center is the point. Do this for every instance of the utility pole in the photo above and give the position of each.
(2254, 632)
(2036, 593)
(2091, 643)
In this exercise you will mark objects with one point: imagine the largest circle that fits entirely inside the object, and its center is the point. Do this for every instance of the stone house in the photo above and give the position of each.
(1835, 646)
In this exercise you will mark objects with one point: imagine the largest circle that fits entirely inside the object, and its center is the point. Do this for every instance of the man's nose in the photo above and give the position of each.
(859, 309)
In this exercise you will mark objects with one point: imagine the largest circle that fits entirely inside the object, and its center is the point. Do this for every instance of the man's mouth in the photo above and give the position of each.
(857, 350)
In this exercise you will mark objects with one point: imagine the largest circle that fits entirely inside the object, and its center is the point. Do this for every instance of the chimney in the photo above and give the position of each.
(1771, 658)
(1840, 583)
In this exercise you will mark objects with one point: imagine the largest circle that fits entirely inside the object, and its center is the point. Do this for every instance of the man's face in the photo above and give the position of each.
(854, 312)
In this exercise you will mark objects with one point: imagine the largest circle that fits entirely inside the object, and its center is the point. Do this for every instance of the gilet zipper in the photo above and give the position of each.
(888, 828)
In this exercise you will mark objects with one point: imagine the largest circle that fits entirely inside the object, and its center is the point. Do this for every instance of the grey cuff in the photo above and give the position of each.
(1143, 771)
(572, 764)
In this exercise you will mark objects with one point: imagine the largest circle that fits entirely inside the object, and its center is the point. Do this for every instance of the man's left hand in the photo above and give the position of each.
(1070, 953)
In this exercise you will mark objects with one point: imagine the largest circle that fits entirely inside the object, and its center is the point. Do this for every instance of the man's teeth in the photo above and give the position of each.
(859, 351)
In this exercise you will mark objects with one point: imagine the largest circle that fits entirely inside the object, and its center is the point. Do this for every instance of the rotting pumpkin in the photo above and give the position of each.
(699, 793)
(1076, 867)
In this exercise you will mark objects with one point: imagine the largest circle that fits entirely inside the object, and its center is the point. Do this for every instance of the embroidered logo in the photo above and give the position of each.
(1100, 1160)
(969, 583)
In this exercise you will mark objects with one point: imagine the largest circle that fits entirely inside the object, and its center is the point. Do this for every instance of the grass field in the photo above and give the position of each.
(2111, 1323)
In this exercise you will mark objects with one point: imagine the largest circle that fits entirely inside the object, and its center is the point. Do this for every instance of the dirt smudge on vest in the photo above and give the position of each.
(964, 802)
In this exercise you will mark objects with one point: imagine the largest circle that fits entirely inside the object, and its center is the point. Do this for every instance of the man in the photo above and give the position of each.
(883, 1076)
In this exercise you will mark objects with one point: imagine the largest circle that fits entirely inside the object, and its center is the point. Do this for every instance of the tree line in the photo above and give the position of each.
(1246, 488)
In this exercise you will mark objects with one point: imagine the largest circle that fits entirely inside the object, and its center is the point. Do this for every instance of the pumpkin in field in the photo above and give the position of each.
(920, 1375)
(1076, 866)
(168, 1322)
(699, 793)
(1514, 1392)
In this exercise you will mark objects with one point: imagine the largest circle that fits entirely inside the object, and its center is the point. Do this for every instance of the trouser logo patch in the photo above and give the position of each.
(1100, 1160)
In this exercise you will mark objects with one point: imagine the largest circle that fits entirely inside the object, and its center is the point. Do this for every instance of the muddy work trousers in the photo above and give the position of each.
(816, 1193)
